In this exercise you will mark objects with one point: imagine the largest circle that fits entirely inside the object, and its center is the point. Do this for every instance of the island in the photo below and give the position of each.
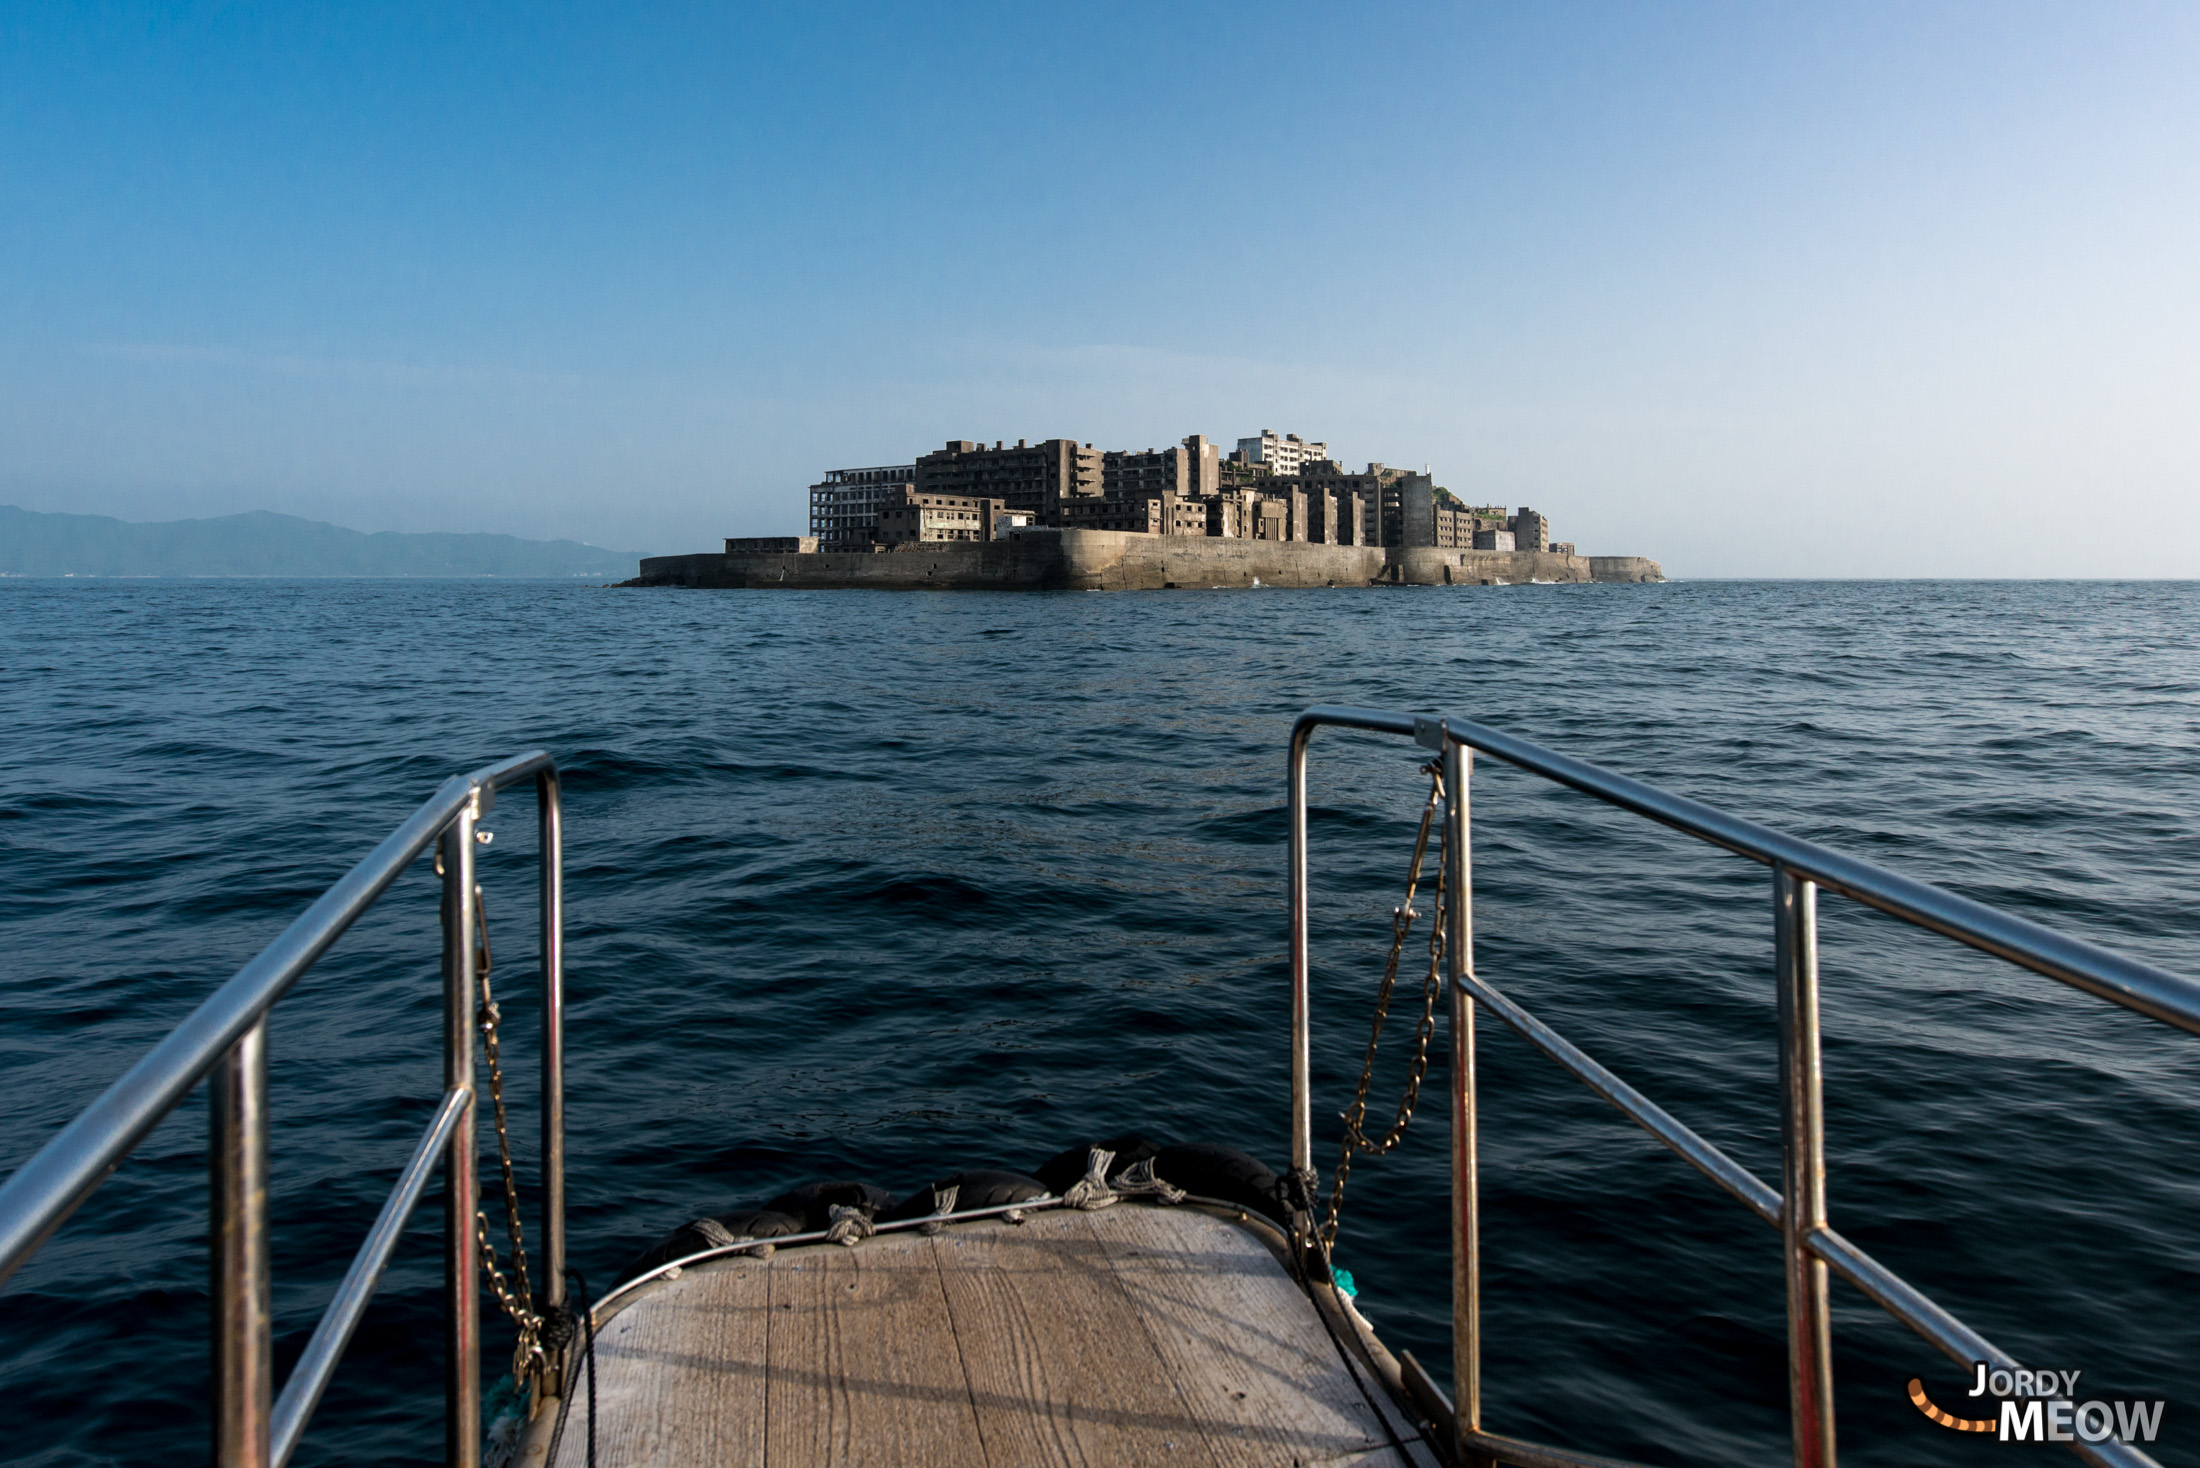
(1060, 515)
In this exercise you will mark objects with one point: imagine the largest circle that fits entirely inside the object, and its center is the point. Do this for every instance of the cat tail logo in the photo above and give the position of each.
(1945, 1419)
(2042, 1406)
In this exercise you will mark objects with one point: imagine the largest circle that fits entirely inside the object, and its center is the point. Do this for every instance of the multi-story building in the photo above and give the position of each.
(1226, 514)
(1336, 512)
(1278, 487)
(1203, 462)
(1192, 469)
(912, 517)
(1144, 514)
(1407, 506)
(1284, 454)
(1268, 518)
(1244, 514)
(844, 505)
(1236, 472)
(1126, 475)
(1034, 478)
(1358, 498)
(1183, 516)
(1457, 525)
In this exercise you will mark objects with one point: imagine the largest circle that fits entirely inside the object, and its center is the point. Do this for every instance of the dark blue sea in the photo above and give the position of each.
(885, 885)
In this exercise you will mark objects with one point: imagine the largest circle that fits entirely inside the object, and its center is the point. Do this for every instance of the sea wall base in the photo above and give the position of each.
(1114, 560)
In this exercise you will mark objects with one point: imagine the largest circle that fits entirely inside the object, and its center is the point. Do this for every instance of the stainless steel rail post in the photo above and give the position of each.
(1302, 1081)
(237, 1240)
(1803, 1171)
(461, 988)
(1466, 1183)
(1813, 1250)
(551, 816)
(224, 1042)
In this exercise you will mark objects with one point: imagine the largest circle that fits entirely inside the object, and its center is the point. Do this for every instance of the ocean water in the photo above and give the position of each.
(884, 885)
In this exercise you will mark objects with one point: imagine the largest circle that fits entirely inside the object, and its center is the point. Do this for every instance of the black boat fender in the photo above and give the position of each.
(1201, 1169)
(814, 1203)
(712, 1233)
(1093, 1175)
(1224, 1174)
(843, 1211)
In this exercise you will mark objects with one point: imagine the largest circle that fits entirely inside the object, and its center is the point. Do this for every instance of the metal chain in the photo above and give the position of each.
(527, 1354)
(1356, 1139)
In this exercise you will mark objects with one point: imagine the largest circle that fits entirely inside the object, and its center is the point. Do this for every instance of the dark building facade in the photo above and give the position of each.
(1143, 514)
(1350, 509)
(966, 490)
(1125, 475)
(1458, 526)
(1192, 469)
(1035, 478)
(1236, 473)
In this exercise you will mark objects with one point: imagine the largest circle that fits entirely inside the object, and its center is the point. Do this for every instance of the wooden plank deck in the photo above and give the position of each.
(1129, 1335)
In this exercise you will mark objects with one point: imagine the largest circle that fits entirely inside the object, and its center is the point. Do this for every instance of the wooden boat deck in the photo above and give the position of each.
(1129, 1335)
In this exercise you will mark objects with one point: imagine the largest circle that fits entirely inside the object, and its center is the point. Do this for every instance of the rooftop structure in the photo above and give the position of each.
(1283, 454)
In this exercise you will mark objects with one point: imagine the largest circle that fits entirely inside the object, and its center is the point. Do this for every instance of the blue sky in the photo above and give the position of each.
(1756, 289)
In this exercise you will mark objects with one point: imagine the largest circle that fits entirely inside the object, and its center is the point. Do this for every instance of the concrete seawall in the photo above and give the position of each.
(1624, 568)
(1428, 566)
(1113, 560)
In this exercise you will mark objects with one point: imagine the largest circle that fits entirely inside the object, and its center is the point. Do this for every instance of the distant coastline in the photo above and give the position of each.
(264, 544)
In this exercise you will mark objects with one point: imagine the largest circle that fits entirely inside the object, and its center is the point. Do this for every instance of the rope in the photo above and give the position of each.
(559, 1329)
(1356, 1140)
(850, 1226)
(1092, 1191)
(588, 1355)
(1320, 1248)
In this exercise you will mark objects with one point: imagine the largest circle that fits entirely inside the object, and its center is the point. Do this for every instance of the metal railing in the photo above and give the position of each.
(1797, 1208)
(224, 1041)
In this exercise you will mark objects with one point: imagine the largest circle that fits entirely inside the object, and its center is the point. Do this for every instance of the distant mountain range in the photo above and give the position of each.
(264, 544)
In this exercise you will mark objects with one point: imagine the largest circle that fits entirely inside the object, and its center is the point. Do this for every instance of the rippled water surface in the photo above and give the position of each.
(883, 885)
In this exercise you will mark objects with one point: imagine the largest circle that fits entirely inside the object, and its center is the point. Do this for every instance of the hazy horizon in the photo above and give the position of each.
(1889, 291)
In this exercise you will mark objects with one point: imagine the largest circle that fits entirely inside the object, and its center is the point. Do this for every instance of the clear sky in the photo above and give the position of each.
(1757, 289)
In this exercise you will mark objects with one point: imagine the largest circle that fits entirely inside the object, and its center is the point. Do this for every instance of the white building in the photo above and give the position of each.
(1283, 455)
(844, 505)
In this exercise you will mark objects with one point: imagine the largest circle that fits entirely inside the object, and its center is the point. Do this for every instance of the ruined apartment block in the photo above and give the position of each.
(1272, 487)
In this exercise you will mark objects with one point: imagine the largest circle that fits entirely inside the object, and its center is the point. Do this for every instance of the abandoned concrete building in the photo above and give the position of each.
(844, 505)
(1283, 453)
(910, 516)
(1272, 487)
(1035, 478)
